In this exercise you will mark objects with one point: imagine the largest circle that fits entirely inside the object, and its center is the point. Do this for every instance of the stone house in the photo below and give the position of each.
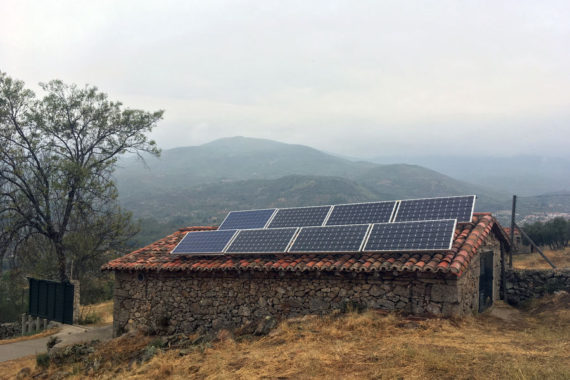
(518, 246)
(161, 292)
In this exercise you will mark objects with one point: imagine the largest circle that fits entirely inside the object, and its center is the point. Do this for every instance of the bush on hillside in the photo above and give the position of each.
(554, 233)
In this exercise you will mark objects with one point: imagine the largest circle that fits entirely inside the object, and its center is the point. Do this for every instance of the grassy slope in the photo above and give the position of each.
(373, 345)
(560, 258)
(506, 343)
(98, 314)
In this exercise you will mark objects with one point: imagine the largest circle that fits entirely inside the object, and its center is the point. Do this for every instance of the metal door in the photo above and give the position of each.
(486, 281)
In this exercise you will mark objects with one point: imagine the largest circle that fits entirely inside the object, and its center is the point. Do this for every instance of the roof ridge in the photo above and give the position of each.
(197, 228)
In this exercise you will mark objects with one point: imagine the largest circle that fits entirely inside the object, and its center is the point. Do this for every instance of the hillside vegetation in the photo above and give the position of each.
(236, 161)
(200, 184)
(505, 343)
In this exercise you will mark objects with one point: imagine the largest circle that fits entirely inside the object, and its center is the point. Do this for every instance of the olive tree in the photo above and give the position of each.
(57, 156)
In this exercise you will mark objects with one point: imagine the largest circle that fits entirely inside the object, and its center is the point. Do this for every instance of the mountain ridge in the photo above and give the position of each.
(200, 184)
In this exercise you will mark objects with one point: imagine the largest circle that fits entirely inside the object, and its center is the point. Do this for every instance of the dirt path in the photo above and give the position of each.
(69, 335)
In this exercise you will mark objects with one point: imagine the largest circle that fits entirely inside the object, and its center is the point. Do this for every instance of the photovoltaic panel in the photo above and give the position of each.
(204, 242)
(246, 219)
(460, 208)
(274, 240)
(330, 239)
(361, 213)
(411, 236)
(299, 217)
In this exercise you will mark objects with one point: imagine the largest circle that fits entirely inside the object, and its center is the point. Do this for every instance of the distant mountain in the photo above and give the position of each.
(235, 158)
(557, 201)
(522, 175)
(226, 160)
(200, 184)
(209, 203)
(227, 165)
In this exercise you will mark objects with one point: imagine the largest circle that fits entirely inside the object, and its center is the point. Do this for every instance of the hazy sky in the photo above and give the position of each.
(354, 77)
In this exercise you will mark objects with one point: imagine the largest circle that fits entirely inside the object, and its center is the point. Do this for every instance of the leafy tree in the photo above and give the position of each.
(13, 298)
(57, 154)
(555, 233)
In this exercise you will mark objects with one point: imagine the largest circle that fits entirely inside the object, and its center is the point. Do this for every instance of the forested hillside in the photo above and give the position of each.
(200, 184)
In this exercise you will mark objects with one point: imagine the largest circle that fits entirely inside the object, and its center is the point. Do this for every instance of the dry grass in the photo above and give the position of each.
(30, 337)
(505, 343)
(535, 345)
(102, 313)
(10, 369)
(560, 258)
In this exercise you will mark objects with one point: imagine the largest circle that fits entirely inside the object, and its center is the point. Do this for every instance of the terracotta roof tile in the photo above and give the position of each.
(468, 238)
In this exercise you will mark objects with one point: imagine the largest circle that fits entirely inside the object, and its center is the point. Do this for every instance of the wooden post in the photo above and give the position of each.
(512, 231)
(503, 274)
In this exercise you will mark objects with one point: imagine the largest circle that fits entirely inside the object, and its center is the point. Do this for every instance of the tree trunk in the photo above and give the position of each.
(59, 250)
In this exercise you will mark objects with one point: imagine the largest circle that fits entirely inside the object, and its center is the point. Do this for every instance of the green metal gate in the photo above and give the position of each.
(51, 300)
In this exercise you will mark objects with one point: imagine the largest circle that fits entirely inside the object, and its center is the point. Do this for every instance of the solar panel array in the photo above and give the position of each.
(300, 217)
(246, 219)
(411, 236)
(274, 240)
(407, 225)
(205, 242)
(361, 213)
(330, 239)
(460, 208)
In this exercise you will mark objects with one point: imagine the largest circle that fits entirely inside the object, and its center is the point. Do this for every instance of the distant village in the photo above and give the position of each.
(504, 217)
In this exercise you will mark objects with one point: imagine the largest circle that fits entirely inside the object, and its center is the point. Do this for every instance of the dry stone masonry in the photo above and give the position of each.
(158, 292)
(524, 284)
(168, 303)
(9, 330)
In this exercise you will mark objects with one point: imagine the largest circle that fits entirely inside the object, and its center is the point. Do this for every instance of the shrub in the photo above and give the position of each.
(87, 316)
(42, 360)
(52, 341)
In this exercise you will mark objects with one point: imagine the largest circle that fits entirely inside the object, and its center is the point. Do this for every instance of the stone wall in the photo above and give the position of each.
(169, 302)
(9, 330)
(184, 302)
(524, 284)
(469, 281)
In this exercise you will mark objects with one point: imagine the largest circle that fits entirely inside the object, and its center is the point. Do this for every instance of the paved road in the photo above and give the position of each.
(68, 335)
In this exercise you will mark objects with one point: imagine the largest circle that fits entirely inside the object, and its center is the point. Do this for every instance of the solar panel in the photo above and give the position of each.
(361, 213)
(330, 239)
(262, 241)
(411, 236)
(300, 217)
(246, 219)
(204, 242)
(460, 208)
